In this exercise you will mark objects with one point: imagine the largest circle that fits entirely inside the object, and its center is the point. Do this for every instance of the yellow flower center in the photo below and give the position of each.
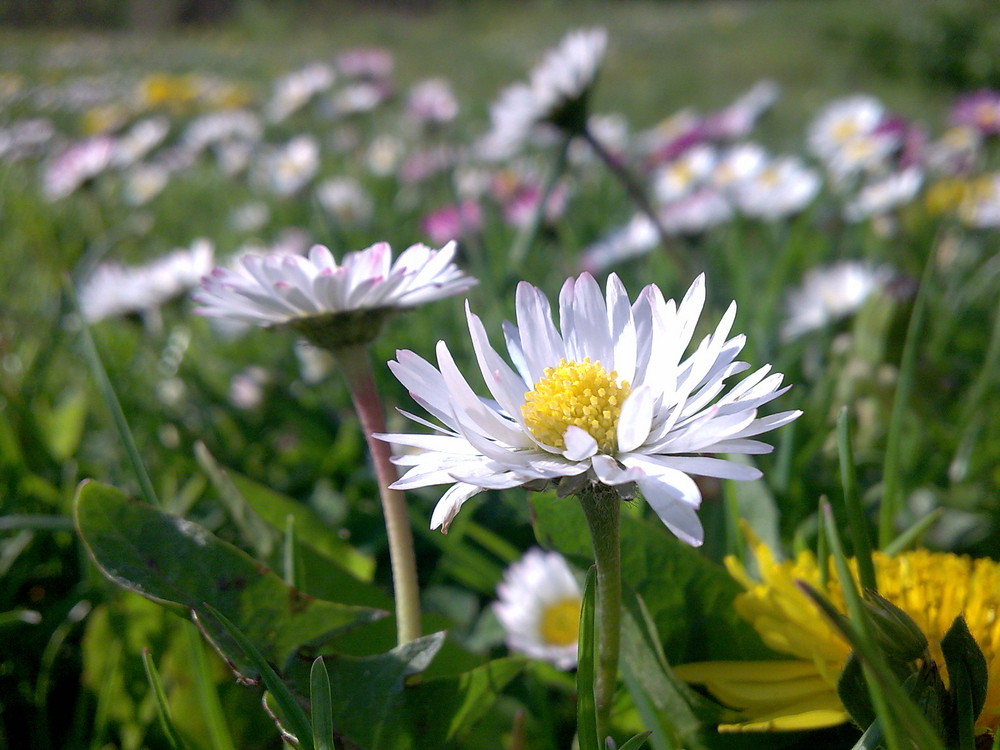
(583, 394)
(560, 625)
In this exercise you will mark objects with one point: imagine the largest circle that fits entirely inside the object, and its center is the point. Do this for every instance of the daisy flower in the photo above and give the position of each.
(318, 296)
(828, 294)
(556, 93)
(114, 290)
(784, 187)
(605, 400)
(76, 166)
(539, 607)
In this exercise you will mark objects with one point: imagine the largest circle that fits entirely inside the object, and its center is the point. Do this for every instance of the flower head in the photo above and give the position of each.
(608, 399)
(931, 587)
(539, 608)
(556, 93)
(828, 294)
(113, 289)
(979, 110)
(349, 300)
(76, 166)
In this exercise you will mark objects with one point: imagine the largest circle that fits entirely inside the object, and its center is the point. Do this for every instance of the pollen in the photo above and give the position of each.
(581, 394)
(560, 622)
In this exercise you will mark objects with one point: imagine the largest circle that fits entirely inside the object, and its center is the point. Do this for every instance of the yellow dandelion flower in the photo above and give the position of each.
(931, 587)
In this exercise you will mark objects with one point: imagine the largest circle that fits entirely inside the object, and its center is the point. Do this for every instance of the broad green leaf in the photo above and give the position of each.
(689, 598)
(172, 560)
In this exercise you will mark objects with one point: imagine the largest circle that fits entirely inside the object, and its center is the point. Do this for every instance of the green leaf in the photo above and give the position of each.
(321, 705)
(586, 672)
(62, 424)
(295, 719)
(171, 560)
(689, 598)
(675, 714)
(968, 677)
(311, 530)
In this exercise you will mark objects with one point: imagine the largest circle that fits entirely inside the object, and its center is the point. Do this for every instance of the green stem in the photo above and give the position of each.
(892, 480)
(602, 507)
(638, 197)
(356, 364)
(526, 237)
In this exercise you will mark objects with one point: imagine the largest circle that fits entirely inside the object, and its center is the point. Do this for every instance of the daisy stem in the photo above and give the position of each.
(355, 362)
(602, 507)
(638, 197)
(526, 237)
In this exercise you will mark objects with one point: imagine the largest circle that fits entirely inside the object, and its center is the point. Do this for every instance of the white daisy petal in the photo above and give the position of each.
(568, 411)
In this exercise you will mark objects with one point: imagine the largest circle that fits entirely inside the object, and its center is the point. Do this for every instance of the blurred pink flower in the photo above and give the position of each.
(452, 221)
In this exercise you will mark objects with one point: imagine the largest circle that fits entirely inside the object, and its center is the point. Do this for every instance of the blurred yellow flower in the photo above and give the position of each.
(931, 587)
(171, 91)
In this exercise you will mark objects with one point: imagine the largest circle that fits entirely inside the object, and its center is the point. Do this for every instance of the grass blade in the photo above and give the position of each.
(208, 698)
(912, 534)
(856, 521)
(891, 475)
(892, 705)
(321, 705)
(636, 742)
(162, 707)
(111, 400)
(294, 714)
(586, 674)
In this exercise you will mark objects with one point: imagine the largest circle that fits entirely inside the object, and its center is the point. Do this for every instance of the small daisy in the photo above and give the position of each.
(290, 168)
(297, 89)
(556, 93)
(685, 174)
(784, 187)
(432, 102)
(346, 200)
(635, 238)
(828, 294)
(141, 138)
(316, 294)
(881, 196)
(76, 166)
(114, 290)
(539, 608)
(854, 135)
(697, 212)
(606, 402)
(737, 120)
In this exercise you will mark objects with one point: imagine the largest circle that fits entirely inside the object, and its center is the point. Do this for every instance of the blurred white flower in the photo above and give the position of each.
(218, 127)
(275, 289)
(685, 174)
(882, 195)
(608, 400)
(140, 139)
(288, 169)
(358, 98)
(636, 238)
(783, 188)
(384, 155)
(432, 102)
(25, 138)
(144, 182)
(850, 137)
(738, 119)
(737, 165)
(695, 213)
(250, 217)
(365, 62)
(113, 289)
(246, 389)
(538, 605)
(831, 293)
(296, 90)
(75, 166)
(346, 200)
(556, 93)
